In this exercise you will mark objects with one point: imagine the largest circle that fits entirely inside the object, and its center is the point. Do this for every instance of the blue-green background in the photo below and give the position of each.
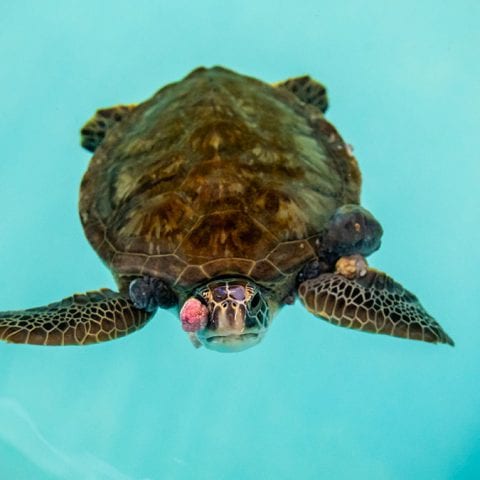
(313, 401)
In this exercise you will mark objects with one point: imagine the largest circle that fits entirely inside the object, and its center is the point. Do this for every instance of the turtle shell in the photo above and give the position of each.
(217, 175)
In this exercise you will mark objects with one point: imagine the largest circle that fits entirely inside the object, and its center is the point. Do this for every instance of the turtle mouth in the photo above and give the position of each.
(231, 342)
(232, 338)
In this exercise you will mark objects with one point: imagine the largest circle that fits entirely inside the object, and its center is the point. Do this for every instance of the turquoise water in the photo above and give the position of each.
(313, 401)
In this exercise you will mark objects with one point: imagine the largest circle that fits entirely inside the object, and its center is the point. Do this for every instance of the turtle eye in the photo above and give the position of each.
(220, 293)
(257, 312)
(203, 298)
(255, 302)
(237, 292)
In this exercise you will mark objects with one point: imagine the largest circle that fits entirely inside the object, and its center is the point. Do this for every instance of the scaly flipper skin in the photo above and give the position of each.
(94, 131)
(307, 90)
(77, 320)
(372, 303)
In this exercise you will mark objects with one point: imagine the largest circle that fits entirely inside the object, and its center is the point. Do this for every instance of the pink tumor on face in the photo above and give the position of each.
(193, 315)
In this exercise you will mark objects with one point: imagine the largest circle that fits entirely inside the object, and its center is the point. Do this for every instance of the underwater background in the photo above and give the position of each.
(313, 401)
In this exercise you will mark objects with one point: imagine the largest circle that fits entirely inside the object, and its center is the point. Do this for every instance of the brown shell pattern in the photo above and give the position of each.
(218, 174)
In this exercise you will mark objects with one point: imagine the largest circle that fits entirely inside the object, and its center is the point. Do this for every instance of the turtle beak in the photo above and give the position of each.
(228, 330)
(228, 318)
(231, 343)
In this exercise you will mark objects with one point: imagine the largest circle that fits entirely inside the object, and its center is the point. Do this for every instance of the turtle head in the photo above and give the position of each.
(227, 315)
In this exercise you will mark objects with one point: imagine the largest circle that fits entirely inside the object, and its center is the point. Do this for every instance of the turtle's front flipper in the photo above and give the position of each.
(94, 131)
(77, 320)
(307, 90)
(373, 302)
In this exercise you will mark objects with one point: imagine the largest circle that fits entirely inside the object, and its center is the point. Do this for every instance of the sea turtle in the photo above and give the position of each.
(226, 198)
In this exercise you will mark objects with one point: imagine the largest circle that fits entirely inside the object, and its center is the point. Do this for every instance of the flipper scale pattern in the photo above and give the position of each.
(81, 319)
(373, 303)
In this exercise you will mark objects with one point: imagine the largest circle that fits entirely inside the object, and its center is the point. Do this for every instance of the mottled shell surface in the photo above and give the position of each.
(219, 174)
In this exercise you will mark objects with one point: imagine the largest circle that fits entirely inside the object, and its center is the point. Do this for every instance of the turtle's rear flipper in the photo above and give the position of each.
(94, 131)
(372, 303)
(307, 90)
(77, 320)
